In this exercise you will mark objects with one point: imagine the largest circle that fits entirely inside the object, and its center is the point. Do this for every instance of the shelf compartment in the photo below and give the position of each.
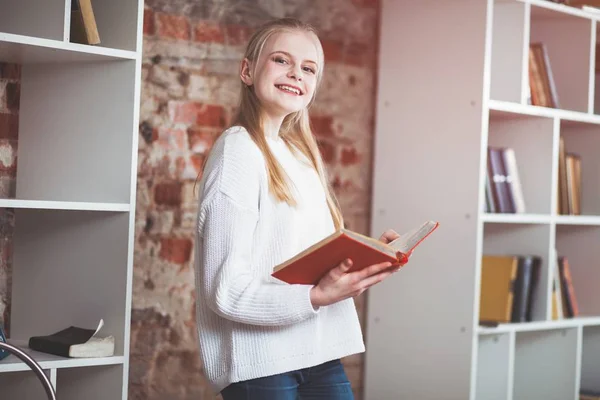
(531, 139)
(523, 239)
(94, 383)
(117, 22)
(508, 78)
(30, 50)
(590, 358)
(583, 140)
(23, 385)
(80, 254)
(568, 39)
(89, 130)
(37, 18)
(579, 244)
(50, 361)
(546, 364)
(63, 205)
(495, 357)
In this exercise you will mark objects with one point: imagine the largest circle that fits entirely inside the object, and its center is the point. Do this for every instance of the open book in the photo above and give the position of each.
(310, 265)
(75, 342)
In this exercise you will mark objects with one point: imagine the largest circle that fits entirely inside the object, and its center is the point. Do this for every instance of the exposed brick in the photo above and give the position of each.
(208, 32)
(13, 96)
(176, 250)
(173, 26)
(201, 140)
(334, 50)
(8, 155)
(10, 71)
(327, 151)
(149, 25)
(191, 113)
(366, 3)
(322, 125)
(9, 126)
(237, 34)
(350, 156)
(172, 139)
(168, 194)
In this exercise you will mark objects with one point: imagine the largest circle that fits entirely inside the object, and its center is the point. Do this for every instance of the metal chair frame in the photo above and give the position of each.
(35, 367)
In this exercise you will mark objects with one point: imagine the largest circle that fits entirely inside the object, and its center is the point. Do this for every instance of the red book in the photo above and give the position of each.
(310, 265)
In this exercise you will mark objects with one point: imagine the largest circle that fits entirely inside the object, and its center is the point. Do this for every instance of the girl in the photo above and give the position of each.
(264, 197)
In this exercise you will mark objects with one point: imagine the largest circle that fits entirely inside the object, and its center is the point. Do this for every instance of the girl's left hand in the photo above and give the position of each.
(389, 235)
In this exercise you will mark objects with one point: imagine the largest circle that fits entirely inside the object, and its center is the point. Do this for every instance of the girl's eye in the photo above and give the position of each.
(310, 70)
(280, 60)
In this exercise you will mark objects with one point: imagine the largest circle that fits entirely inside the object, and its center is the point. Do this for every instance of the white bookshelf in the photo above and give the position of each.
(75, 191)
(453, 80)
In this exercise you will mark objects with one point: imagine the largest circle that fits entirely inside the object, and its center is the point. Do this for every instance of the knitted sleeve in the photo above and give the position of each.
(227, 220)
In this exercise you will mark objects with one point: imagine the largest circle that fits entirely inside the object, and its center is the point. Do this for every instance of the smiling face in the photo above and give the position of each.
(285, 76)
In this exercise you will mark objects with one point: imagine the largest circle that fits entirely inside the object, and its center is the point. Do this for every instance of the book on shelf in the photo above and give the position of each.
(569, 181)
(75, 342)
(542, 88)
(84, 29)
(310, 265)
(588, 394)
(564, 300)
(508, 286)
(503, 188)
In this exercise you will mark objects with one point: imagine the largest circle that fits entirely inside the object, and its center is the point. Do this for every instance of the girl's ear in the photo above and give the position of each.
(245, 72)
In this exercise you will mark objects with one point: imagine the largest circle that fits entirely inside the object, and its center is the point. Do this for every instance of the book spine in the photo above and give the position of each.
(50, 347)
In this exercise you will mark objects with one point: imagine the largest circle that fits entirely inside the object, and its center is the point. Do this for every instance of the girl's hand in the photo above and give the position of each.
(339, 285)
(388, 236)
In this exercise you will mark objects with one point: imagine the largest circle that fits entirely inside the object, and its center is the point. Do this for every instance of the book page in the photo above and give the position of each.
(409, 240)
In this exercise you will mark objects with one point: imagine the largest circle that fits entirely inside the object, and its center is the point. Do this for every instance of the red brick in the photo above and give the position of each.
(350, 156)
(237, 34)
(197, 113)
(322, 125)
(366, 3)
(176, 250)
(10, 71)
(198, 162)
(208, 32)
(149, 25)
(13, 96)
(172, 139)
(360, 55)
(9, 126)
(201, 140)
(334, 51)
(211, 116)
(168, 194)
(327, 151)
(173, 26)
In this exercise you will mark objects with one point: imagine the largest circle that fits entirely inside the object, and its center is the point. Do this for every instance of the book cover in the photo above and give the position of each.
(310, 265)
(74, 342)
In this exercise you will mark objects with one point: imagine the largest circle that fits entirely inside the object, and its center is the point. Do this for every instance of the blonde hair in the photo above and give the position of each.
(295, 130)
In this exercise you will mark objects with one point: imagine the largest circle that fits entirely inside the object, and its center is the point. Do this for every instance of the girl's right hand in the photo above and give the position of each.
(339, 285)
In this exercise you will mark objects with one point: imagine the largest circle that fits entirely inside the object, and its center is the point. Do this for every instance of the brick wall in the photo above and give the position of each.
(10, 77)
(190, 82)
(189, 90)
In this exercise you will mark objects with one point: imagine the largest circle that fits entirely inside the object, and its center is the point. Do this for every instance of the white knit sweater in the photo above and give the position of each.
(249, 323)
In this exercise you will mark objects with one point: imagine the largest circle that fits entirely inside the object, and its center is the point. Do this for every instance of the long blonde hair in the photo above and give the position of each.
(295, 130)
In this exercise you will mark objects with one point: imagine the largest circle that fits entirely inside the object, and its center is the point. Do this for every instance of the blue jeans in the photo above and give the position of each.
(326, 381)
